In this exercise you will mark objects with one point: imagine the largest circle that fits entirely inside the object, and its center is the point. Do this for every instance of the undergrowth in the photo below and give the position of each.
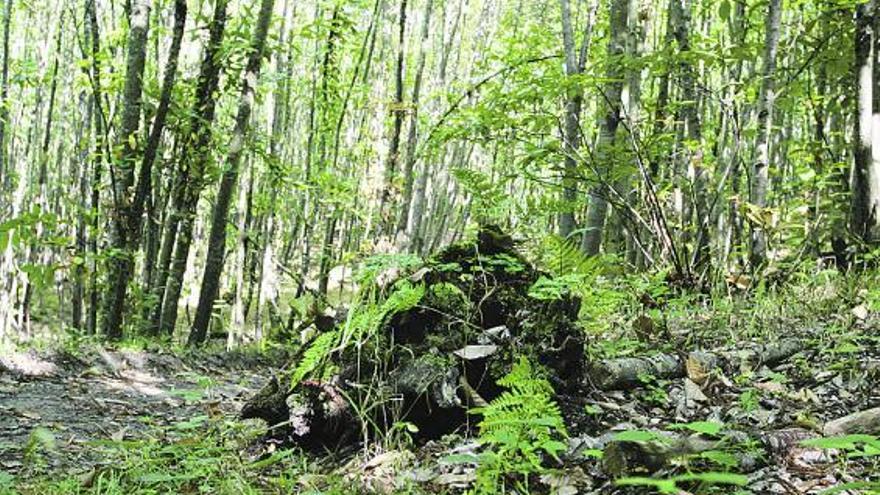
(200, 455)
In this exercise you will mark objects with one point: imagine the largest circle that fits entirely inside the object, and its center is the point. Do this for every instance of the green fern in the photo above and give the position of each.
(364, 322)
(489, 198)
(315, 356)
(563, 257)
(519, 428)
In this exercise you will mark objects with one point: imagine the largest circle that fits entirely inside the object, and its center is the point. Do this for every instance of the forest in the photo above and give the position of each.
(439, 246)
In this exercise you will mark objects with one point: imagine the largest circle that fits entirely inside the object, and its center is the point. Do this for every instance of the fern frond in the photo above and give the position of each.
(520, 427)
(315, 356)
(563, 256)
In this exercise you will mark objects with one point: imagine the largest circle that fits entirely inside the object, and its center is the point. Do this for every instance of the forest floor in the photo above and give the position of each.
(58, 411)
(124, 421)
(56, 408)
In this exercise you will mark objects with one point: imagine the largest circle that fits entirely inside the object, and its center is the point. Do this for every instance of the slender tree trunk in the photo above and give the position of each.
(194, 160)
(598, 208)
(79, 260)
(100, 136)
(4, 98)
(398, 112)
(130, 208)
(411, 140)
(121, 262)
(36, 252)
(571, 135)
(217, 239)
(761, 165)
(866, 153)
(690, 151)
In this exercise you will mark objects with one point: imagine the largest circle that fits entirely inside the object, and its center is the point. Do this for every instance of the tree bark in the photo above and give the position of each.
(130, 204)
(194, 160)
(866, 152)
(398, 111)
(217, 240)
(761, 165)
(571, 135)
(4, 96)
(411, 140)
(598, 208)
(121, 262)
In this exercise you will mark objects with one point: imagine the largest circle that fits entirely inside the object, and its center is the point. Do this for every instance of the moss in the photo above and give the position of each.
(447, 298)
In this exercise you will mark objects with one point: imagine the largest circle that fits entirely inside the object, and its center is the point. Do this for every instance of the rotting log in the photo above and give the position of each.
(865, 422)
(430, 362)
(611, 374)
(654, 450)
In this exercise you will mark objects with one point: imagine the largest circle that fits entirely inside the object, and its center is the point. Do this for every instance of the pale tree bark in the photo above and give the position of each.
(611, 102)
(237, 325)
(36, 253)
(398, 111)
(4, 97)
(638, 23)
(415, 226)
(761, 164)
(571, 135)
(690, 154)
(280, 122)
(122, 261)
(866, 153)
(217, 239)
(734, 144)
(81, 158)
(411, 140)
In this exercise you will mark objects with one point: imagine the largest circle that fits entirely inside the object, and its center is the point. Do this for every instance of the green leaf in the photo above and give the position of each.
(715, 478)
(724, 10)
(638, 436)
(662, 486)
(845, 442)
(710, 428)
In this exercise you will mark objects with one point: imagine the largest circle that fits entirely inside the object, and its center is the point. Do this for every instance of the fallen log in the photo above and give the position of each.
(627, 451)
(610, 374)
(865, 422)
(425, 349)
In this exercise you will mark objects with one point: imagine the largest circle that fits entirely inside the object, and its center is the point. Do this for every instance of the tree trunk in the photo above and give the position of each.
(4, 97)
(195, 157)
(598, 208)
(121, 262)
(82, 137)
(130, 204)
(217, 239)
(398, 111)
(571, 135)
(761, 166)
(866, 153)
(411, 140)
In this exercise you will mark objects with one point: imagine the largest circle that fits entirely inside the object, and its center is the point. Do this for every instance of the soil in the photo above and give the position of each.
(112, 395)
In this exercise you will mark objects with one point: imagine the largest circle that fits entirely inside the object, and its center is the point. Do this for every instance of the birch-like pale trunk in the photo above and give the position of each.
(761, 164)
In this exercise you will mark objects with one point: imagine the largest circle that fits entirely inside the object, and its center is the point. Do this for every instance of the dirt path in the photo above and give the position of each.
(111, 395)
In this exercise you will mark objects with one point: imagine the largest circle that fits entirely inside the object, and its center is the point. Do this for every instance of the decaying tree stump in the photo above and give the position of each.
(428, 363)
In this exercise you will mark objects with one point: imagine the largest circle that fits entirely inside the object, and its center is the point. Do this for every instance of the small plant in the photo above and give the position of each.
(671, 484)
(40, 442)
(748, 400)
(654, 392)
(853, 447)
(519, 429)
